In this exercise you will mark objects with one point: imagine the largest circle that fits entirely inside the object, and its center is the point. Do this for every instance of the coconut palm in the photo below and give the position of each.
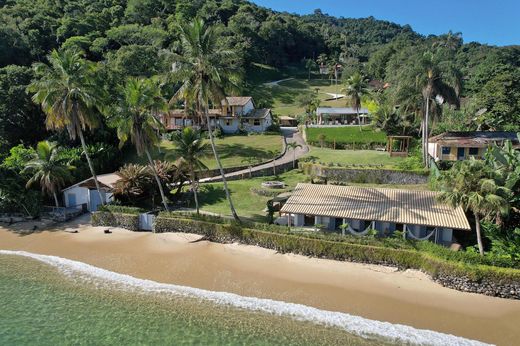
(133, 115)
(293, 146)
(205, 70)
(48, 169)
(69, 95)
(356, 88)
(190, 145)
(439, 82)
(470, 185)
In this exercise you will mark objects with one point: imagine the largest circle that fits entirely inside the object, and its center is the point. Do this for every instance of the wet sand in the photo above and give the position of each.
(375, 292)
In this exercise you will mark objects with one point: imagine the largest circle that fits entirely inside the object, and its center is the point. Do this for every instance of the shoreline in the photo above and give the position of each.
(376, 292)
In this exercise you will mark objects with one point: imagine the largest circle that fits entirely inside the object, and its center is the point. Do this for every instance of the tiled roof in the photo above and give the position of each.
(105, 180)
(340, 110)
(258, 113)
(374, 204)
(236, 100)
(475, 138)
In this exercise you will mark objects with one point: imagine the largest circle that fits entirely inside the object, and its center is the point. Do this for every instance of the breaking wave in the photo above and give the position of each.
(351, 324)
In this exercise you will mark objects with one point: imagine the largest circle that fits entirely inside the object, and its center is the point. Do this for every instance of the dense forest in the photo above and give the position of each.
(133, 38)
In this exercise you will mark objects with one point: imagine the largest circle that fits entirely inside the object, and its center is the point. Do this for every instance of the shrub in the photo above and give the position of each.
(111, 208)
(109, 219)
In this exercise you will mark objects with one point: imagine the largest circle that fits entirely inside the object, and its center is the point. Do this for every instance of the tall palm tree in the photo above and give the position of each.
(470, 184)
(190, 145)
(293, 146)
(134, 117)
(205, 71)
(438, 80)
(69, 95)
(47, 169)
(356, 88)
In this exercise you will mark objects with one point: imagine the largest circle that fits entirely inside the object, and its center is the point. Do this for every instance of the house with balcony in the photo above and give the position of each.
(359, 210)
(456, 146)
(235, 113)
(342, 116)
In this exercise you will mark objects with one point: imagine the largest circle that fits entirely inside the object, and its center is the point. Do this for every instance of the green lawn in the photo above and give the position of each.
(346, 135)
(353, 157)
(283, 98)
(233, 150)
(250, 205)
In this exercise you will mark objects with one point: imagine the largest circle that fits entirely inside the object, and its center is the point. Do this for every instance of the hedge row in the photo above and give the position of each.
(111, 208)
(109, 219)
(285, 243)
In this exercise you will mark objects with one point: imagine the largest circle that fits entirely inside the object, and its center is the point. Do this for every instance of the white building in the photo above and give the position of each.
(417, 214)
(85, 193)
(236, 112)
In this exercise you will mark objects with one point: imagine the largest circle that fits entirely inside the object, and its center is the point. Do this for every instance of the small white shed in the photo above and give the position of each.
(85, 192)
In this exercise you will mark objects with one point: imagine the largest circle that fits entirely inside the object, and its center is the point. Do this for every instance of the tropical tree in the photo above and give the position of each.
(134, 117)
(293, 146)
(68, 93)
(470, 185)
(134, 181)
(439, 81)
(48, 170)
(251, 161)
(309, 65)
(310, 102)
(190, 145)
(356, 88)
(205, 70)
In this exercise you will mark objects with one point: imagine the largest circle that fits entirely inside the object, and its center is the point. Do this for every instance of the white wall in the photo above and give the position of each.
(432, 150)
(231, 128)
(248, 107)
(81, 193)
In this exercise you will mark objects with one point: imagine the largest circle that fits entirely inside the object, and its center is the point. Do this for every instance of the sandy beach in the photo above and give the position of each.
(375, 292)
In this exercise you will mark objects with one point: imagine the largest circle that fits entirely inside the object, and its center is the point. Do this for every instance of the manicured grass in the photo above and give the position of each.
(346, 135)
(353, 157)
(283, 98)
(233, 150)
(247, 203)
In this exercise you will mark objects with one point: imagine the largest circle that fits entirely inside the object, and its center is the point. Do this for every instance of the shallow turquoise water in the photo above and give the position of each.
(40, 305)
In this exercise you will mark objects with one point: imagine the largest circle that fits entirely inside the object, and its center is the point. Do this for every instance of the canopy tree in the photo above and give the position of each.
(48, 170)
(205, 71)
(135, 117)
(356, 87)
(68, 93)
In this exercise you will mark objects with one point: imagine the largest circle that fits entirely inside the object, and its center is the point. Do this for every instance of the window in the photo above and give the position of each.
(228, 122)
(257, 122)
(473, 151)
(446, 150)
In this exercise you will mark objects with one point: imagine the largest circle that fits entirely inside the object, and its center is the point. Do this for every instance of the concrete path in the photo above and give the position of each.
(290, 134)
(276, 82)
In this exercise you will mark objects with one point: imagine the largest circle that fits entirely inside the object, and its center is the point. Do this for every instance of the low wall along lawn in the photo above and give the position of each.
(477, 278)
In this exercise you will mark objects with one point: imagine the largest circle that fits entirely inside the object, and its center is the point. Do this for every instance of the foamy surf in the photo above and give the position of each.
(351, 324)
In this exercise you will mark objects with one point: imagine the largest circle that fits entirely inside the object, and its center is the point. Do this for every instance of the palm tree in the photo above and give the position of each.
(205, 70)
(190, 145)
(437, 80)
(356, 88)
(293, 146)
(134, 117)
(470, 185)
(251, 161)
(48, 169)
(69, 96)
(309, 65)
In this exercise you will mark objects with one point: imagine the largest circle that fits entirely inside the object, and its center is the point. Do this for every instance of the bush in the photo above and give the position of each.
(112, 208)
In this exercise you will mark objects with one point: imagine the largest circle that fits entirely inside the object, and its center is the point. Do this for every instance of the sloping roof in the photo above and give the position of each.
(340, 110)
(236, 100)
(105, 181)
(259, 113)
(474, 138)
(373, 204)
(285, 117)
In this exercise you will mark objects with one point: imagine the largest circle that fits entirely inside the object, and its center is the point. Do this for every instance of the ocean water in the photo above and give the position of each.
(48, 300)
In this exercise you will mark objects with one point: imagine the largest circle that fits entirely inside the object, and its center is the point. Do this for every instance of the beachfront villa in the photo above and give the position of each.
(456, 146)
(85, 193)
(342, 116)
(235, 113)
(415, 213)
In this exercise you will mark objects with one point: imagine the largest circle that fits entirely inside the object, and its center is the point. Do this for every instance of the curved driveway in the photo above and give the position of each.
(290, 134)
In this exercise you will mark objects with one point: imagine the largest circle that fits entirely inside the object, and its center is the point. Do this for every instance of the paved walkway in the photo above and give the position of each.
(276, 82)
(290, 134)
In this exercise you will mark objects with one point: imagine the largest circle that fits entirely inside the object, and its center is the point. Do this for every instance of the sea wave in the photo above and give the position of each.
(352, 324)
